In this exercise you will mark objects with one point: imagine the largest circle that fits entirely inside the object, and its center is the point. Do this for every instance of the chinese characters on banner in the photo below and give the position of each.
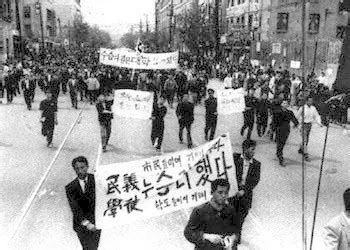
(134, 60)
(230, 101)
(133, 103)
(127, 192)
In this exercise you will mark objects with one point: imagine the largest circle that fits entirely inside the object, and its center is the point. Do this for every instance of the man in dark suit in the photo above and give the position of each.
(248, 176)
(185, 115)
(27, 85)
(81, 197)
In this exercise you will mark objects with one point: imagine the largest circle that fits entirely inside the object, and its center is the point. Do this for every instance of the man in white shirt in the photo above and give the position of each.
(294, 90)
(337, 232)
(310, 115)
(322, 78)
(228, 81)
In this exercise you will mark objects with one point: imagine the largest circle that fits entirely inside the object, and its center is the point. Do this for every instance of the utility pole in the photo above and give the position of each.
(216, 29)
(156, 27)
(19, 28)
(303, 61)
(171, 16)
(147, 25)
(38, 11)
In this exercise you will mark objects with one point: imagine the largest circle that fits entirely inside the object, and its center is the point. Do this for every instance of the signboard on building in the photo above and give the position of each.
(295, 64)
(276, 48)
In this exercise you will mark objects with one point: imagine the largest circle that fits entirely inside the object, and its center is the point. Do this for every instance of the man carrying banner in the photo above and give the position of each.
(214, 225)
(185, 115)
(211, 115)
(158, 114)
(81, 197)
(248, 176)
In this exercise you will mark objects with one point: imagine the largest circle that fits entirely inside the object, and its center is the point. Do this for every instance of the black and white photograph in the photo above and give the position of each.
(175, 124)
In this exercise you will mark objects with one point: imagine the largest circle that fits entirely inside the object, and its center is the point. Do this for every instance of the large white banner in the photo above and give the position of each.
(134, 60)
(133, 103)
(230, 101)
(127, 192)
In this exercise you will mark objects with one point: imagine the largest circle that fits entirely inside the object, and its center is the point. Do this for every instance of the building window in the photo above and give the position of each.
(242, 20)
(232, 20)
(238, 20)
(314, 23)
(232, 3)
(28, 30)
(282, 22)
(26, 11)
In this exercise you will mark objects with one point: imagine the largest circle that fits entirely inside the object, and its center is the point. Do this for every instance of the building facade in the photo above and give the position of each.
(49, 19)
(325, 27)
(10, 33)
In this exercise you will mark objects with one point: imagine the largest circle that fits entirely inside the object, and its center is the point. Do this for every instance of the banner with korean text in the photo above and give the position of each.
(136, 60)
(133, 103)
(230, 101)
(131, 191)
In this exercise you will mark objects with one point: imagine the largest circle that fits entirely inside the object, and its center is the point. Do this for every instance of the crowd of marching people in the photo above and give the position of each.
(268, 92)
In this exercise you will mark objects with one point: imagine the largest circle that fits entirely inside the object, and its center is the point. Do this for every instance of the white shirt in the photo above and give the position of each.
(246, 164)
(295, 84)
(310, 114)
(82, 184)
(322, 79)
(228, 82)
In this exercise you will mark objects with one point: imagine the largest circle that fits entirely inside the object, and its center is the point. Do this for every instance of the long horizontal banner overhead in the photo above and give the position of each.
(135, 60)
(132, 191)
(230, 101)
(133, 104)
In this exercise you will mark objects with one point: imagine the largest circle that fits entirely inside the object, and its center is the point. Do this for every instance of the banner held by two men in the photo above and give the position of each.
(131, 191)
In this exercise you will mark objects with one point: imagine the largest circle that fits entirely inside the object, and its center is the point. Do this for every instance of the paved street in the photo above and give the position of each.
(274, 222)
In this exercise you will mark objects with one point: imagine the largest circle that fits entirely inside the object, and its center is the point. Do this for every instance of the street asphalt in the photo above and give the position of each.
(43, 220)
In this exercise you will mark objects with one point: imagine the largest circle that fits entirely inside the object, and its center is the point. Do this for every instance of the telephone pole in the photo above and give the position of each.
(171, 32)
(216, 29)
(19, 28)
(156, 27)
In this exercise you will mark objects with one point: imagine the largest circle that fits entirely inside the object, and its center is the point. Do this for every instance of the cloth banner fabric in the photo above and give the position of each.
(135, 60)
(230, 101)
(132, 191)
(133, 103)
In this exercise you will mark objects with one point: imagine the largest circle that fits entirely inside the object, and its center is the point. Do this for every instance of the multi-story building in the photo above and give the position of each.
(243, 18)
(10, 12)
(168, 12)
(49, 19)
(325, 28)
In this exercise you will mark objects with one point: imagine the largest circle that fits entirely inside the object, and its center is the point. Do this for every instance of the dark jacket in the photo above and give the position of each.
(186, 111)
(82, 205)
(104, 117)
(252, 179)
(211, 105)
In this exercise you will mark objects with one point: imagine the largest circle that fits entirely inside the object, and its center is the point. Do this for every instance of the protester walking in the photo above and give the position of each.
(282, 126)
(48, 117)
(170, 87)
(185, 115)
(248, 177)
(73, 90)
(249, 113)
(81, 198)
(310, 115)
(158, 114)
(214, 225)
(26, 86)
(105, 115)
(211, 115)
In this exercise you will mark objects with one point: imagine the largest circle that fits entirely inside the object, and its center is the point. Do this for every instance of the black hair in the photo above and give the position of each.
(80, 159)
(219, 182)
(247, 144)
(346, 197)
(211, 90)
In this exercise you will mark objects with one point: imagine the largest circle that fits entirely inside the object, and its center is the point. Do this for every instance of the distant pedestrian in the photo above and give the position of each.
(27, 88)
(249, 113)
(81, 197)
(170, 88)
(73, 90)
(214, 225)
(48, 117)
(158, 114)
(93, 86)
(337, 231)
(105, 115)
(211, 115)
(185, 115)
(282, 126)
(310, 115)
